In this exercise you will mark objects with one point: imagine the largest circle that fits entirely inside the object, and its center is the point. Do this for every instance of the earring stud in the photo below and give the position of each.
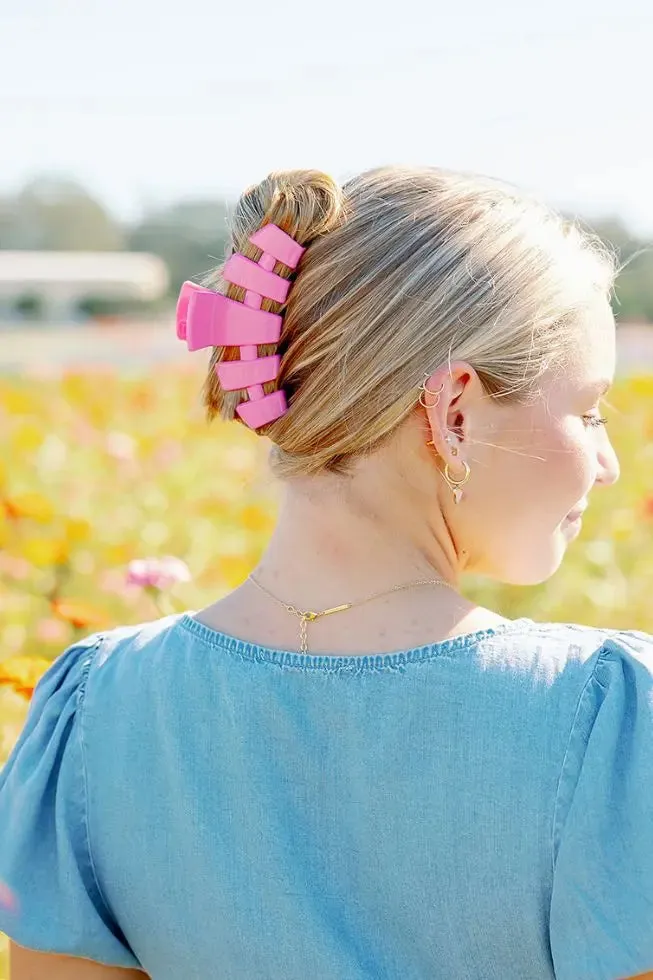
(448, 440)
(452, 448)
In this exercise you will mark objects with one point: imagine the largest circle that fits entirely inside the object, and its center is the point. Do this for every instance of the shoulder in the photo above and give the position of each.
(575, 643)
(568, 663)
(139, 635)
(602, 828)
(123, 652)
(103, 664)
(601, 680)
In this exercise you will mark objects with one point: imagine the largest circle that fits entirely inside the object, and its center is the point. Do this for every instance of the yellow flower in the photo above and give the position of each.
(15, 402)
(256, 518)
(77, 530)
(31, 505)
(74, 387)
(117, 554)
(27, 437)
(44, 552)
(234, 569)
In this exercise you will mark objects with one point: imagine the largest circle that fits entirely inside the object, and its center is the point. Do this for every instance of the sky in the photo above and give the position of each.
(146, 101)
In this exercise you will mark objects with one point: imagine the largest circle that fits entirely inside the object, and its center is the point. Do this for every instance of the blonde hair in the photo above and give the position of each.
(404, 270)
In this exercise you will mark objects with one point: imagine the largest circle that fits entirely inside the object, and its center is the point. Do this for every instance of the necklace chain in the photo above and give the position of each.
(308, 616)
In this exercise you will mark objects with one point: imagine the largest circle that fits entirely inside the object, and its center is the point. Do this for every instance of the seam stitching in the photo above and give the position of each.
(247, 650)
(593, 678)
(81, 700)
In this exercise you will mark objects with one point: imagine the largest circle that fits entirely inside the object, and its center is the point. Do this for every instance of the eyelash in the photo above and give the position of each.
(594, 420)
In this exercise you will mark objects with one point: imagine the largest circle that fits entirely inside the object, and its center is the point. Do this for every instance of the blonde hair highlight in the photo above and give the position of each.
(404, 270)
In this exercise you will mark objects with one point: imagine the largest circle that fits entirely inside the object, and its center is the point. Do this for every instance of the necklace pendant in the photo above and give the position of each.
(457, 496)
(335, 609)
(310, 616)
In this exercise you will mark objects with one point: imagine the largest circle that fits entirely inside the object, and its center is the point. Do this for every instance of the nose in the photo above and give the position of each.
(609, 469)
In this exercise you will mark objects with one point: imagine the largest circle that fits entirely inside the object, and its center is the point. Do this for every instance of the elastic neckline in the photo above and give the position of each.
(355, 661)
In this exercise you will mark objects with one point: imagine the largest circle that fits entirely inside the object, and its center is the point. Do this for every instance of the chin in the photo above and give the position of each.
(534, 570)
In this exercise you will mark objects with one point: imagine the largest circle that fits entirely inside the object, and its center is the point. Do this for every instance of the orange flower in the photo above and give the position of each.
(22, 674)
(25, 692)
(78, 613)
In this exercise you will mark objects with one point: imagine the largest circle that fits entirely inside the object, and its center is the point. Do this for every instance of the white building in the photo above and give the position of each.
(61, 280)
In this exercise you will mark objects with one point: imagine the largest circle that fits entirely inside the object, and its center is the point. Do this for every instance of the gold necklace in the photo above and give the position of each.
(309, 616)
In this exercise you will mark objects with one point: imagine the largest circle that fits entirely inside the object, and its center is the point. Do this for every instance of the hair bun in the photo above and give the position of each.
(303, 203)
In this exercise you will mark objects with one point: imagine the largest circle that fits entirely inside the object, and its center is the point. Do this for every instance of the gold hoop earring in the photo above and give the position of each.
(456, 485)
(425, 390)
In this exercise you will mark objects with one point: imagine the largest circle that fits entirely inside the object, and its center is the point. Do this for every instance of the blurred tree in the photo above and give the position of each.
(103, 307)
(29, 306)
(52, 213)
(634, 288)
(191, 237)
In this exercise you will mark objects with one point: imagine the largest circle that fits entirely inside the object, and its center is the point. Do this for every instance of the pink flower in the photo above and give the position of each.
(157, 573)
(121, 446)
(52, 631)
(18, 568)
(168, 452)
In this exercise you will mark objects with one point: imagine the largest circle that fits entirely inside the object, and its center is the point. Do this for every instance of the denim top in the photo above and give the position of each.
(202, 807)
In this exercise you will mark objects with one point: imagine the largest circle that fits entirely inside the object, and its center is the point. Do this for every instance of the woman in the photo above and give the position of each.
(345, 769)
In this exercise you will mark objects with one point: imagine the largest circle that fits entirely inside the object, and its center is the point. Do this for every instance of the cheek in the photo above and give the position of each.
(543, 465)
(566, 474)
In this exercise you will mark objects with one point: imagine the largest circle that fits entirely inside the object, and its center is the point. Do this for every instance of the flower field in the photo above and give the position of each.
(118, 503)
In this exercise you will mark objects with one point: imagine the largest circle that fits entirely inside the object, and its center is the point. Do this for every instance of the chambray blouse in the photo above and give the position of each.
(201, 807)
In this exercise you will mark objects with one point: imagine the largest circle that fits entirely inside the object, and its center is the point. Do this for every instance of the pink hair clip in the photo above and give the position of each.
(209, 319)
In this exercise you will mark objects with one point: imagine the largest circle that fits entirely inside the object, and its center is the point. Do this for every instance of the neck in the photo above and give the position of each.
(339, 541)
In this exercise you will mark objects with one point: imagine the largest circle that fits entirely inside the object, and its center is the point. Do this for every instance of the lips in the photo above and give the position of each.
(575, 515)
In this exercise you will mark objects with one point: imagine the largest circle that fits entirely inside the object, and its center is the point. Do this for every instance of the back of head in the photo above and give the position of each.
(405, 269)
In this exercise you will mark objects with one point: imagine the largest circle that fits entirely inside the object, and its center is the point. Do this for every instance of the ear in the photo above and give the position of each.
(453, 392)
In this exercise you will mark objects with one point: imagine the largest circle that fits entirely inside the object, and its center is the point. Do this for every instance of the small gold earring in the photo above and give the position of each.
(453, 450)
(426, 390)
(447, 439)
(456, 485)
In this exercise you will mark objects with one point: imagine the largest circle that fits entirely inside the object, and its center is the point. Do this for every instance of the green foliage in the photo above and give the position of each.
(191, 237)
(633, 299)
(50, 213)
(29, 306)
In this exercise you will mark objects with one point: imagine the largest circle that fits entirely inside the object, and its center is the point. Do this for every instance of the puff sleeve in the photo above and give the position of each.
(51, 898)
(601, 916)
